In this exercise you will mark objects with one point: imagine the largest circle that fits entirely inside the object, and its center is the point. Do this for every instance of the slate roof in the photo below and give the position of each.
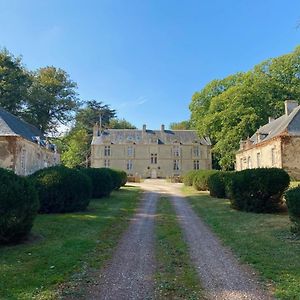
(123, 136)
(11, 125)
(288, 124)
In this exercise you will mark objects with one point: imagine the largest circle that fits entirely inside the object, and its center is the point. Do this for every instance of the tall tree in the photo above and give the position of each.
(233, 108)
(52, 99)
(116, 123)
(183, 125)
(14, 82)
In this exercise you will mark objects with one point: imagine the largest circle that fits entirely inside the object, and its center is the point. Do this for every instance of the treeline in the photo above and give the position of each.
(48, 98)
(233, 108)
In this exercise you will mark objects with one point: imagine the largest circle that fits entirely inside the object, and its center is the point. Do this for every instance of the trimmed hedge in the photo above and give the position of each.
(119, 178)
(217, 184)
(102, 181)
(292, 197)
(18, 206)
(258, 190)
(188, 178)
(200, 182)
(62, 189)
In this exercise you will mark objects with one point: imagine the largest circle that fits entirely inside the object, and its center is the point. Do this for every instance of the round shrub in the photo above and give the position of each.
(102, 182)
(292, 197)
(62, 189)
(258, 190)
(18, 206)
(119, 178)
(217, 184)
(188, 178)
(200, 182)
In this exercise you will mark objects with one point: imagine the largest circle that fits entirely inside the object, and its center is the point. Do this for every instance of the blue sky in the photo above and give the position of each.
(146, 58)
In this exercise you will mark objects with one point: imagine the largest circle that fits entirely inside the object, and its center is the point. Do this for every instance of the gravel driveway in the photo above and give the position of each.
(220, 273)
(129, 274)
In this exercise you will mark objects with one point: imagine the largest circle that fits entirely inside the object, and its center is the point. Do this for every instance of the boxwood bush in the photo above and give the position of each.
(292, 197)
(119, 178)
(217, 183)
(62, 189)
(188, 178)
(258, 190)
(102, 181)
(18, 206)
(200, 182)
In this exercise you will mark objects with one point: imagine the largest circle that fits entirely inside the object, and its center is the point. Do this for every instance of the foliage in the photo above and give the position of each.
(200, 182)
(62, 189)
(102, 181)
(117, 177)
(292, 197)
(116, 123)
(218, 182)
(233, 108)
(18, 206)
(14, 82)
(258, 190)
(66, 244)
(52, 99)
(183, 125)
(188, 178)
(75, 148)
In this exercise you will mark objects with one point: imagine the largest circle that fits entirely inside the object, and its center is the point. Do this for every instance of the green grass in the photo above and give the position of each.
(63, 245)
(175, 277)
(262, 240)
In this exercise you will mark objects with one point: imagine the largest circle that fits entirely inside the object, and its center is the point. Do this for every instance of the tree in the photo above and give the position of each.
(120, 124)
(183, 125)
(52, 99)
(14, 82)
(233, 108)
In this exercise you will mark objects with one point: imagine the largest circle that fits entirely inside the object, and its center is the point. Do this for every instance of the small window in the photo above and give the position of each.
(129, 165)
(106, 163)
(107, 151)
(258, 160)
(176, 151)
(196, 151)
(130, 151)
(249, 163)
(153, 158)
(196, 165)
(176, 166)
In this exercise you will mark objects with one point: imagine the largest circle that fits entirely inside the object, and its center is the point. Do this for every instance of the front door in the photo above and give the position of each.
(153, 174)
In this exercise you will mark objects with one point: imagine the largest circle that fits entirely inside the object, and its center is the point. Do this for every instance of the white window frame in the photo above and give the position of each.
(129, 165)
(106, 163)
(107, 151)
(176, 165)
(196, 164)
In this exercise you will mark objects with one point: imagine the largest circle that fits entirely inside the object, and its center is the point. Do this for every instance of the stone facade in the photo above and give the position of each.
(22, 149)
(150, 153)
(276, 144)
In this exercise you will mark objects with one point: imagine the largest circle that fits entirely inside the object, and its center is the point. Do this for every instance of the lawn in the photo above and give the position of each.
(175, 278)
(261, 240)
(62, 245)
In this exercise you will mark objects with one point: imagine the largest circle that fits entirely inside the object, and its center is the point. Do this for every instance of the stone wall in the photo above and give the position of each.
(141, 159)
(291, 156)
(24, 157)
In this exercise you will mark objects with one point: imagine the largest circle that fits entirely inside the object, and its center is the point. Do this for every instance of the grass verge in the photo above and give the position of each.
(175, 278)
(262, 240)
(62, 245)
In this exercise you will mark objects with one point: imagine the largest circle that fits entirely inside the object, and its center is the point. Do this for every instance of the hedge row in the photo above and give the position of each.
(292, 197)
(256, 190)
(52, 190)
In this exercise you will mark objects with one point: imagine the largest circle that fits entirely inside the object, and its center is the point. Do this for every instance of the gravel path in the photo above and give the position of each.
(220, 273)
(129, 274)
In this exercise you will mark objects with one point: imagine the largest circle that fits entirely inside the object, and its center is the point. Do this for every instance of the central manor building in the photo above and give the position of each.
(150, 153)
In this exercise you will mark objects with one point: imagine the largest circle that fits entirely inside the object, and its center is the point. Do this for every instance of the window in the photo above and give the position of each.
(176, 150)
(130, 151)
(107, 151)
(176, 165)
(196, 165)
(153, 158)
(273, 156)
(106, 163)
(129, 165)
(241, 164)
(196, 151)
(258, 159)
(249, 163)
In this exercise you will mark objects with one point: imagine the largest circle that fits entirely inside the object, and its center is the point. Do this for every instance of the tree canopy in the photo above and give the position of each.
(233, 108)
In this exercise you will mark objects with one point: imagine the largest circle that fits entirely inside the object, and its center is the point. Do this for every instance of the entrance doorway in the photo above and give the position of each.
(153, 174)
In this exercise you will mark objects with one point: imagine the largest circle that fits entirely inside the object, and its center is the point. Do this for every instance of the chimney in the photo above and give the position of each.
(144, 128)
(289, 106)
(162, 127)
(96, 130)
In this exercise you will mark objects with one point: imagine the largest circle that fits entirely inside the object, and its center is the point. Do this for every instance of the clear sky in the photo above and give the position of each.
(146, 58)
